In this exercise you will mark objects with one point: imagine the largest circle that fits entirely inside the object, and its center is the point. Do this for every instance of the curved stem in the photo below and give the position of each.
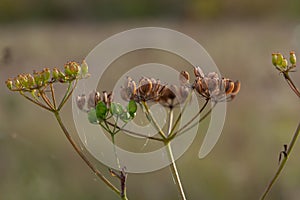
(84, 158)
(283, 163)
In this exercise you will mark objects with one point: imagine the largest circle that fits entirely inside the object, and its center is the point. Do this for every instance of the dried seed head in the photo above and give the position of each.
(168, 95)
(198, 72)
(145, 87)
(128, 92)
(184, 77)
(215, 88)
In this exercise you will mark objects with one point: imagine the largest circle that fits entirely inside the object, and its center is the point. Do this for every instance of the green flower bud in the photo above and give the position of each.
(279, 59)
(9, 84)
(116, 109)
(84, 68)
(61, 77)
(293, 58)
(284, 63)
(92, 116)
(68, 70)
(17, 83)
(38, 79)
(72, 69)
(55, 73)
(23, 81)
(274, 59)
(30, 80)
(46, 74)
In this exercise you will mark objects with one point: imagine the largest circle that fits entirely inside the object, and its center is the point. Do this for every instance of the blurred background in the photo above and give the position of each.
(37, 162)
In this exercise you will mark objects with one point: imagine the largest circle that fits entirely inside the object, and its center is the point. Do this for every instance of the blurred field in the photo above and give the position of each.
(36, 161)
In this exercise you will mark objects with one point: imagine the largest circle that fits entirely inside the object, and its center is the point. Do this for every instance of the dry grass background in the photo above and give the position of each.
(36, 161)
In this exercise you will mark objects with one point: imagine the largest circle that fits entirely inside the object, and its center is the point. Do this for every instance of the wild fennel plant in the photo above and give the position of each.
(284, 67)
(103, 111)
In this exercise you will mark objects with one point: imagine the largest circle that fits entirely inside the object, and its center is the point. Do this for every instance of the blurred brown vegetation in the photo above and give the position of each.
(36, 161)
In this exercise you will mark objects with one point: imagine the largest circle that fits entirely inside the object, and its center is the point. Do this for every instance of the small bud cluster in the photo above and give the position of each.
(150, 89)
(281, 63)
(212, 87)
(37, 80)
(100, 107)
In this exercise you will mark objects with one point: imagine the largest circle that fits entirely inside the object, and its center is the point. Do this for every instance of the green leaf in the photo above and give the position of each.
(101, 110)
(116, 109)
(92, 117)
(132, 107)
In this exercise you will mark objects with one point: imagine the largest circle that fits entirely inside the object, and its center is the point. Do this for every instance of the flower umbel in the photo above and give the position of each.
(211, 86)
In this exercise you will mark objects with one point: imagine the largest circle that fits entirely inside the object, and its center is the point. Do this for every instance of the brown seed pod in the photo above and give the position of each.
(184, 77)
(198, 72)
(145, 87)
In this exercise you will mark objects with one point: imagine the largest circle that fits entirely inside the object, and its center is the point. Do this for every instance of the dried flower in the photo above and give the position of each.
(212, 87)
(150, 89)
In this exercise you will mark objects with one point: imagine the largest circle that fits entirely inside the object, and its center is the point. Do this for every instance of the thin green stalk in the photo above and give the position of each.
(46, 100)
(135, 133)
(152, 119)
(35, 102)
(67, 94)
(81, 154)
(182, 111)
(175, 172)
(173, 134)
(283, 163)
(115, 151)
(53, 95)
(173, 164)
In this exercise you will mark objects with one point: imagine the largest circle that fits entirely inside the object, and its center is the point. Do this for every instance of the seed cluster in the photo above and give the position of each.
(38, 80)
(281, 63)
(210, 86)
(150, 89)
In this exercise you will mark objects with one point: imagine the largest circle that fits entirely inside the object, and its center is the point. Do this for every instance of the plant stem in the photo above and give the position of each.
(283, 162)
(291, 83)
(85, 159)
(173, 164)
(152, 119)
(175, 172)
(173, 134)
